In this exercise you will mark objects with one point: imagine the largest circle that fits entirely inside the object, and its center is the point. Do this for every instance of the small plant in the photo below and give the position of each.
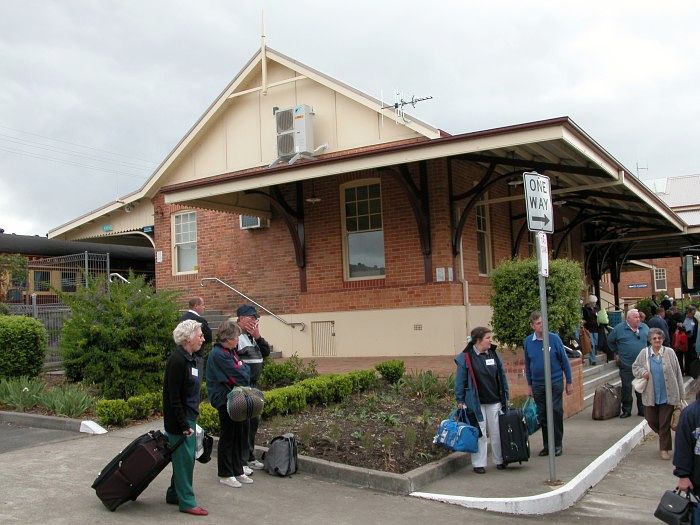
(387, 418)
(334, 434)
(209, 418)
(141, 406)
(411, 437)
(306, 433)
(289, 372)
(21, 393)
(391, 370)
(71, 400)
(113, 411)
(367, 441)
(23, 346)
(357, 434)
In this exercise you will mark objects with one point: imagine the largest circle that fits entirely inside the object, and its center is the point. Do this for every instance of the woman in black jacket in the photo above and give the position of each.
(180, 411)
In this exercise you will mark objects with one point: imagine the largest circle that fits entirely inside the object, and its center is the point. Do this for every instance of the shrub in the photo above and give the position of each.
(119, 337)
(286, 373)
(141, 406)
(362, 379)
(424, 384)
(646, 305)
(23, 346)
(209, 418)
(285, 400)
(67, 400)
(20, 393)
(515, 294)
(113, 411)
(4, 309)
(155, 401)
(391, 370)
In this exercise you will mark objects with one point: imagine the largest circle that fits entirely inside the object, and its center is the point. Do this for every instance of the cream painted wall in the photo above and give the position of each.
(119, 220)
(375, 332)
(243, 134)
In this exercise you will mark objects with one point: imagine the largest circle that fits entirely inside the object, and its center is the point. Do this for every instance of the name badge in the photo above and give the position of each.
(490, 362)
(195, 372)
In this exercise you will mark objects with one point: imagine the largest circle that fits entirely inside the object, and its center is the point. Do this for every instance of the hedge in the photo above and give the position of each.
(22, 346)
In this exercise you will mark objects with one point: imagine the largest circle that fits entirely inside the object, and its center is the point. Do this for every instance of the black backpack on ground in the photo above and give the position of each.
(281, 458)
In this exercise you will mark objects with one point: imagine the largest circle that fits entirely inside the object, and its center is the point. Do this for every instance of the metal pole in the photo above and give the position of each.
(547, 362)
(35, 308)
(87, 268)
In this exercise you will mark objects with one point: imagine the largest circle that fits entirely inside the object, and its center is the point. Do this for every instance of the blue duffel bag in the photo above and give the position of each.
(456, 435)
(531, 416)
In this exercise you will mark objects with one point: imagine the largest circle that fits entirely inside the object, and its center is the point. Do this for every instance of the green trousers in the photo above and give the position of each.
(180, 489)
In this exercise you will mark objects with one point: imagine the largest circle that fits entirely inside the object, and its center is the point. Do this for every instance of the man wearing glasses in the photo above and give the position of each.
(627, 339)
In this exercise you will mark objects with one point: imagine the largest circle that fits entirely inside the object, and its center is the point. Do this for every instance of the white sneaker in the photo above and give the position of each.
(243, 479)
(231, 482)
(247, 471)
(256, 465)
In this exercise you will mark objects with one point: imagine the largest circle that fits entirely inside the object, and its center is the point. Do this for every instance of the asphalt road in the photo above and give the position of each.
(15, 437)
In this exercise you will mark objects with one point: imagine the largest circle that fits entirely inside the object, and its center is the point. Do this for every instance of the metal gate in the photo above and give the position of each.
(323, 339)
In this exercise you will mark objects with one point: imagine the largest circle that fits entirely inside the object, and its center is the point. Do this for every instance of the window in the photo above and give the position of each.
(42, 281)
(483, 239)
(68, 281)
(185, 242)
(659, 279)
(363, 242)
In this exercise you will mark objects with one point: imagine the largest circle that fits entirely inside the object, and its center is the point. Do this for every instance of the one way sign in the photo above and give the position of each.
(538, 202)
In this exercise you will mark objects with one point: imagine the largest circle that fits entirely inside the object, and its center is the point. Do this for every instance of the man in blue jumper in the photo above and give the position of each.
(534, 373)
(627, 339)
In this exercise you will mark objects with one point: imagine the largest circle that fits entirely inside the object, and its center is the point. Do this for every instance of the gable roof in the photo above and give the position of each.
(232, 90)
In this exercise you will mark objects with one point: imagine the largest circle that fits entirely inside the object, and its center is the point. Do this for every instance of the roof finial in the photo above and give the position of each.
(262, 52)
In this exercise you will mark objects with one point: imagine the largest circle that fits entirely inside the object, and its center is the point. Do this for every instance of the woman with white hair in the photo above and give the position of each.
(180, 411)
(664, 388)
(590, 324)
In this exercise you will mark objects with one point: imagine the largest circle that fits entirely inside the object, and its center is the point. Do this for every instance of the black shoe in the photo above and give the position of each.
(592, 364)
(640, 414)
(480, 470)
(544, 452)
(172, 501)
(624, 415)
(557, 451)
(501, 466)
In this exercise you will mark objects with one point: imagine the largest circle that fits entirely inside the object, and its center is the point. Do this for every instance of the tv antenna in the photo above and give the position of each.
(399, 104)
(641, 168)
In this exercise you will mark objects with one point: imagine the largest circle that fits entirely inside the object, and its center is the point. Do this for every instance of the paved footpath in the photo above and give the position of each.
(50, 483)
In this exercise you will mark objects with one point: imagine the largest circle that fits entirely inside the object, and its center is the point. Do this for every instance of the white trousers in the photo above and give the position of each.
(489, 429)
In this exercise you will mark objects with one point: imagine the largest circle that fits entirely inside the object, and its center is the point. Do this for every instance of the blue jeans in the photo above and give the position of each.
(594, 347)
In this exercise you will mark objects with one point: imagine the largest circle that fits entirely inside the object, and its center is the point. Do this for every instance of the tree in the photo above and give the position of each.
(515, 294)
(119, 337)
(13, 270)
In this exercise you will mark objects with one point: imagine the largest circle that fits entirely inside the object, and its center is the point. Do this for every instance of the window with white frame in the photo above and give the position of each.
(185, 242)
(363, 238)
(483, 239)
(660, 279)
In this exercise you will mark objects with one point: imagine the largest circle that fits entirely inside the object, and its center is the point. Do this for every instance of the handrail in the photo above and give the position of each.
(115, 274)
(292, 325)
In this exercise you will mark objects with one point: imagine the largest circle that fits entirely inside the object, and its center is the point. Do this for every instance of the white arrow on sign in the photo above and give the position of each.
(538, 202)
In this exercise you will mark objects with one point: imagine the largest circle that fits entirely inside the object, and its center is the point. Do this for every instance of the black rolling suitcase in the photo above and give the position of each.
(130, 472)
(515, 444)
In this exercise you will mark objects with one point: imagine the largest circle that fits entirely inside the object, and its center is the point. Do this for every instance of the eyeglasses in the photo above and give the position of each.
(657, 338)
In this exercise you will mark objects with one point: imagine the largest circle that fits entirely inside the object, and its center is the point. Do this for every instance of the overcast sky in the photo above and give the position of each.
(94, 94)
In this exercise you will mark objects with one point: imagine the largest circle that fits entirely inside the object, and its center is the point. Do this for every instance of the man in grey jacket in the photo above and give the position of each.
(252, 348)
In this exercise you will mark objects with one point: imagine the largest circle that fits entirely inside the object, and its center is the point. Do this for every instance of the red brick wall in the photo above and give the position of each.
(645, 276)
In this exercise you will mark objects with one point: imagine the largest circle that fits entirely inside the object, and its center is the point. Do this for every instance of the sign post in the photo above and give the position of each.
(540, 219)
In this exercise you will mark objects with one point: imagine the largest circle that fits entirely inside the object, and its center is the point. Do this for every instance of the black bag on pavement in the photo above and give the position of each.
(515, 444)
(281, 458)
(132, 470)
(674, 508)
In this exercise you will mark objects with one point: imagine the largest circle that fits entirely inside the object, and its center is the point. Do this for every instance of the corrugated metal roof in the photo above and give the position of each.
(677, 191)
(692, 218)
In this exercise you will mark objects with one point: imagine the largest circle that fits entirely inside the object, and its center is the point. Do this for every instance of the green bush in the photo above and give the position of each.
(155, 401)
(113, 411)
(21, 393)
(23, 346)
(391, 370)
(362, 379)
(119, 337)
(209, 418)
(4, 309)
(286, 373)
(326, 388)
(71, 400)
(285, 400)
(424, 384)
(645, 305)
(141, 406)
(515, 294)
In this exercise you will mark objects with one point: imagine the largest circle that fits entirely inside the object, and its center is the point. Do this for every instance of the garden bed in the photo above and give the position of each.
(389, 427)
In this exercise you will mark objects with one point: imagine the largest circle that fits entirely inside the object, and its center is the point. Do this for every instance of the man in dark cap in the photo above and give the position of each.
(252, 348)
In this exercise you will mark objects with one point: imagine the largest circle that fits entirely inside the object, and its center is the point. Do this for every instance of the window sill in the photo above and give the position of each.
(364, 283)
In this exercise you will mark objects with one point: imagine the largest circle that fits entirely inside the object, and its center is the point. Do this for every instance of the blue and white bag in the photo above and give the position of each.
(457, 436)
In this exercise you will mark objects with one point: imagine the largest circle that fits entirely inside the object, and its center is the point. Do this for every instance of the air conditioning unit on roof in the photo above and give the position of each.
(251, 222)
(295, 131)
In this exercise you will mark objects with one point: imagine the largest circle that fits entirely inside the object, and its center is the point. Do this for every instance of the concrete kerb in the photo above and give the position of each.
(561, 498)
(51, 422)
